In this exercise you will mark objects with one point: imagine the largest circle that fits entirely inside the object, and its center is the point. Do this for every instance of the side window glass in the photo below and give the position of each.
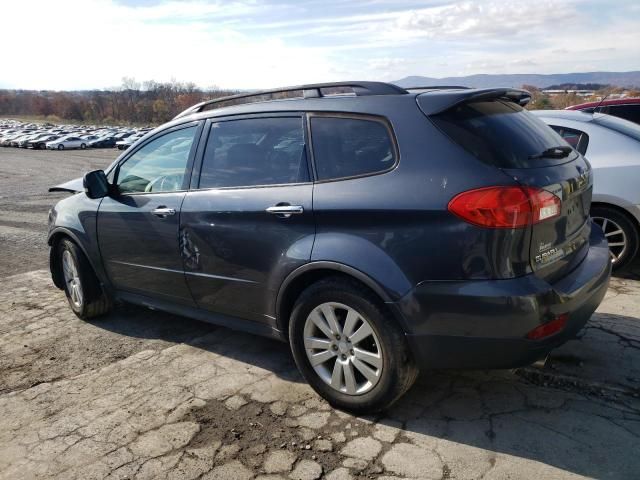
(346, 147)
(576, 138)
(159, 166)
(628, 112)
(256, 151)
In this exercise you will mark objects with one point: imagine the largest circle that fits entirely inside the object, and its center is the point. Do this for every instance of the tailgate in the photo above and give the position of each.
(559, 244)
(499, 132)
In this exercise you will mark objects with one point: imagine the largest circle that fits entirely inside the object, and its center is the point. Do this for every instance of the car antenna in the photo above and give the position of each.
(599, 103)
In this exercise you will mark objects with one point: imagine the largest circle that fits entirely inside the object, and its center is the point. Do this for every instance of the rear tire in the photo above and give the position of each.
(86, 297)
(621, 233)
(340, 379)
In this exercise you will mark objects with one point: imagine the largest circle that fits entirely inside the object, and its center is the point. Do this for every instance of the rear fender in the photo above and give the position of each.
(364, 256)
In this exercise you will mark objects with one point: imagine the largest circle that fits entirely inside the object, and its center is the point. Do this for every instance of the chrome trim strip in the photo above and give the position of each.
(196, 274)
(219, 277)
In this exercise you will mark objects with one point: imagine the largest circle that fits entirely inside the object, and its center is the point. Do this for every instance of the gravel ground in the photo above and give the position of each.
(25, 176)
(142, 394)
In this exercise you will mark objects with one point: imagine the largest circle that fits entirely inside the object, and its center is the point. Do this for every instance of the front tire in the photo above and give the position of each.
(621, 233)
(81, 286)
(83, 146)
(348, 348)
(60, 147)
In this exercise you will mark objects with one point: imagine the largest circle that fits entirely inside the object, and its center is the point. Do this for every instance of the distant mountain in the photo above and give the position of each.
(619, 79)
(577, 86)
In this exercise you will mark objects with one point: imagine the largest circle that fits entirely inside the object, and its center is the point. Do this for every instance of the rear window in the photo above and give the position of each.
(500, 133)
(349, 147)
(619, 125)
(576, 138)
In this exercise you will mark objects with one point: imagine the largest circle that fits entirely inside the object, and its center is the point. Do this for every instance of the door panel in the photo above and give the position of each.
(139, 248)
(138, 224)
(236, 253)
(237, 242)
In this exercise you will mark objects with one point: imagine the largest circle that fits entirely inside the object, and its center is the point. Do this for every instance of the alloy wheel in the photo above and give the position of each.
(343, 348)
(616, 237)
(72, 279)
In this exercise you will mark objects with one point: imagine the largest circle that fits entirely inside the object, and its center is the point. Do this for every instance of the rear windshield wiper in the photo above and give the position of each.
(553, 152)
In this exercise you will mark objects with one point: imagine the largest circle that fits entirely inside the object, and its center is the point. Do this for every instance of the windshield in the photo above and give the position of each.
(620, 125)
(501, 133)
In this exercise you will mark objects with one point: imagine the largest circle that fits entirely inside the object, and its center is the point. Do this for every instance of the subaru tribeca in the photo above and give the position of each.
(377, 230)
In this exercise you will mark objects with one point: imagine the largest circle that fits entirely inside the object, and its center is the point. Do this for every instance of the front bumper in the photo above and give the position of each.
(483, 324)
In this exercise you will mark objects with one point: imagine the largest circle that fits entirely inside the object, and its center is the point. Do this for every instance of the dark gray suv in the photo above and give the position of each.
(377, 230)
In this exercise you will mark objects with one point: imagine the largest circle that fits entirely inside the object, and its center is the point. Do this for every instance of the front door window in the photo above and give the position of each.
(159, 166)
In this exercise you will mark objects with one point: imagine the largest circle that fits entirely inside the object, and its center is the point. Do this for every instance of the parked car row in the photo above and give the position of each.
(60, 137)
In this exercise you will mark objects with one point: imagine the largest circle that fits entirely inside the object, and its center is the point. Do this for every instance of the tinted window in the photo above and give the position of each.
(257, 151)
(159, 166)
(346, 147)
(628, 112)
(576, 138)
(499, 133)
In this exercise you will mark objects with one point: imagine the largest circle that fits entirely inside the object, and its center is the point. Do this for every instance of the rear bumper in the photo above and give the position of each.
(483, 324)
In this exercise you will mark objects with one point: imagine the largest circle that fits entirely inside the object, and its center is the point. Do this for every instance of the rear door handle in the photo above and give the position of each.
(163, 212)
(285, 211)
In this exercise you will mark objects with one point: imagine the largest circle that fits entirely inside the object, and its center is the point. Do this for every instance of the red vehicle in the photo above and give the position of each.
(627, 108)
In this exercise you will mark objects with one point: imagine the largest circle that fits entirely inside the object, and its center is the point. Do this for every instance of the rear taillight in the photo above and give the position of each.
(505, 207)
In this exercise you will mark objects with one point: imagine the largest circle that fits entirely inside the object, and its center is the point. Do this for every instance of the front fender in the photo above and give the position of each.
(75, 217)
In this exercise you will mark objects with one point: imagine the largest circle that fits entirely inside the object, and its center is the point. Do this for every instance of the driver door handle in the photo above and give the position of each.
(163, 212)
(285, 211)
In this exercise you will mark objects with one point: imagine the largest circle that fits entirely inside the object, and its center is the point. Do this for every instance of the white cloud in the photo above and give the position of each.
(485, 18)
(94, 43)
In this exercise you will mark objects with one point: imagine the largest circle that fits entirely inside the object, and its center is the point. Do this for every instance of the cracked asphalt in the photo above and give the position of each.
(143, 394)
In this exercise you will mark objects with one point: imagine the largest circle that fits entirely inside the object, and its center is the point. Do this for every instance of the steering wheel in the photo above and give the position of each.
(165, 183)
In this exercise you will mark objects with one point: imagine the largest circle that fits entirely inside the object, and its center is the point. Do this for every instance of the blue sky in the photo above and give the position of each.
(80, 44)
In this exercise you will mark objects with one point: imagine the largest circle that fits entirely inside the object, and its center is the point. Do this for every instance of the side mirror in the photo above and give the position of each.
(96, 184)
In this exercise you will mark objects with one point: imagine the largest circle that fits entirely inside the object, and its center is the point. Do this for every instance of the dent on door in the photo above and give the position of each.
(236, 253)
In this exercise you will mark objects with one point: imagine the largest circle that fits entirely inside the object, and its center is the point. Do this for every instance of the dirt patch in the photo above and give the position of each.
(252, 432)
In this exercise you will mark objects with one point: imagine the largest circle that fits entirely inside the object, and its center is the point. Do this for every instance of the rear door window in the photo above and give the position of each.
(349, 147)
(500, 133)
(255, 151)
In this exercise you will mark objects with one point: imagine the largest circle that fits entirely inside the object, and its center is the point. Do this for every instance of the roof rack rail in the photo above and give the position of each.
(314, 90)
(438, 87)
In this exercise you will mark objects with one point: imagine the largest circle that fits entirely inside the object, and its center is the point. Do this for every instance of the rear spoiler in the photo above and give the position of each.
(437, 101)
(72, 186)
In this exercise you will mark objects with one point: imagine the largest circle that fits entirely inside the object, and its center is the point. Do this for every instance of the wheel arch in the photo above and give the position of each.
(301, 278)
(54, 239)
(633, 218)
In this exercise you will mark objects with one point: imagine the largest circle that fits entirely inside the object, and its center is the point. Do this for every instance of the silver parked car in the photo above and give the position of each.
(612, 146)
(70, 141)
